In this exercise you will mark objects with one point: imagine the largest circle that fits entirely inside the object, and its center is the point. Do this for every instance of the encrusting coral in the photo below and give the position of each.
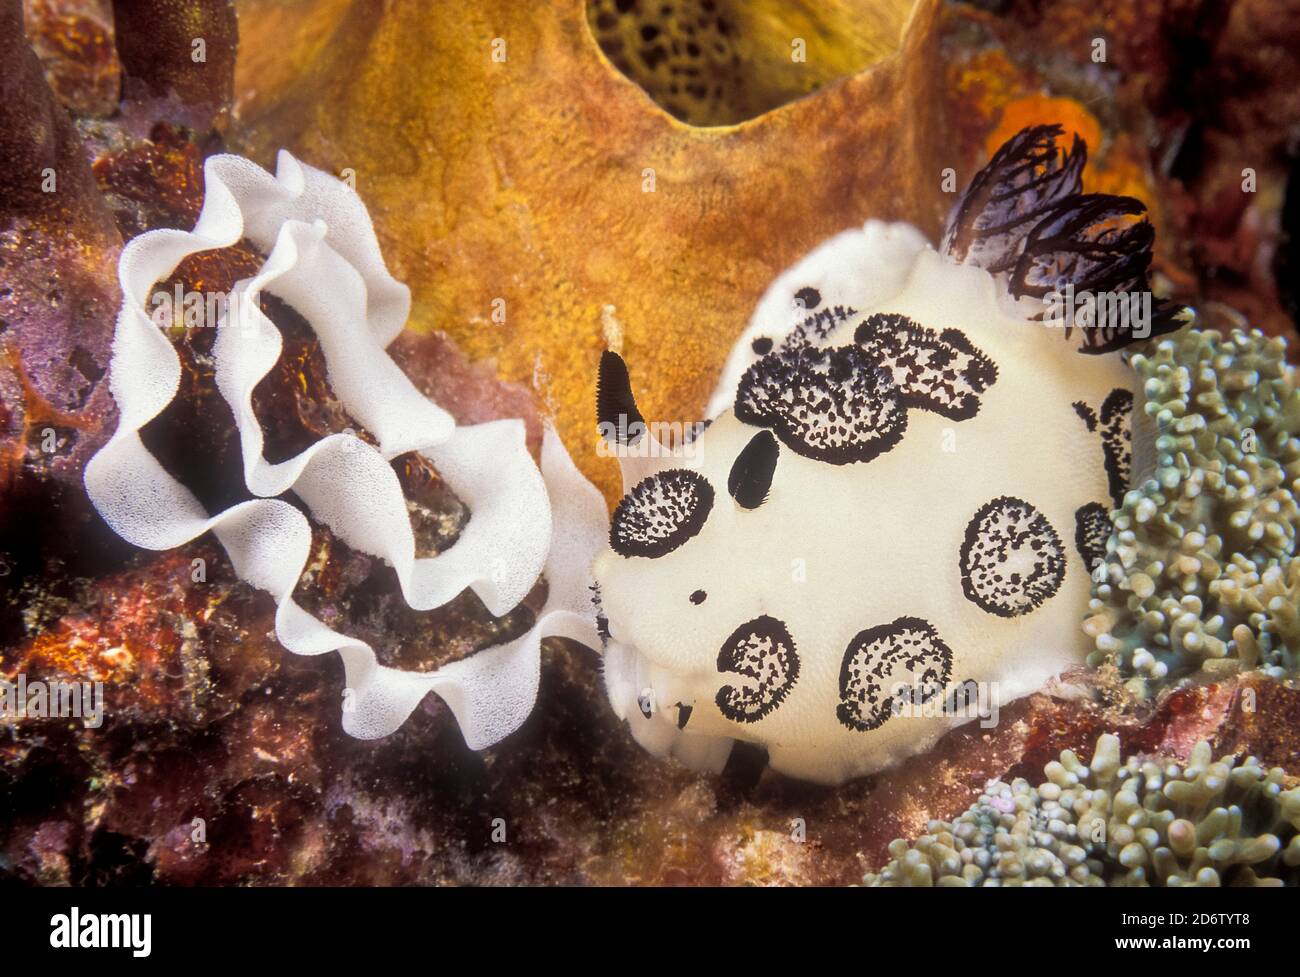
(1201, 572)
(1137, 823)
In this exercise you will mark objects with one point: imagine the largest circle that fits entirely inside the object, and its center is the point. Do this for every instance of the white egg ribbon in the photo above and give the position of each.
(323, 259)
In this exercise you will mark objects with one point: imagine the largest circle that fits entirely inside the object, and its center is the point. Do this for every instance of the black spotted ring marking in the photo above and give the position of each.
(1011, 559)
(831, 404)
(1116, 442)
(937, 371)
(1091, 531)
(762, 650)
(660, 513)
(847, 404)
(888, 666)
(1114, 424)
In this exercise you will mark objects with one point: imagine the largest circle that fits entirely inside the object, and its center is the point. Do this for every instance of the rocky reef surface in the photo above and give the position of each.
(221, 759)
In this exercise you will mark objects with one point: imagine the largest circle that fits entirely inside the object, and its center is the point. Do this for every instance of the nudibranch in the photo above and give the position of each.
(903, 486)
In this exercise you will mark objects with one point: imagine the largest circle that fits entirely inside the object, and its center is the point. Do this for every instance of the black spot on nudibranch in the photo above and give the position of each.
(1091, 530)
(1086, 414)
(941, 372)
(762, 345)
(1116, 442)
(660, 513)
(829, 404)
(752, 471)
(763, 651)
(699, 597)
(617, 416)
(1011, 559)
(889, 666)
(847, 404)
(1114, 422)
(808, 298)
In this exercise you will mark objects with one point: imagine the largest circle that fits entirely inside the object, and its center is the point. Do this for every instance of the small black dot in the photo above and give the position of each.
(762, 345)
(808, 298)
(698, 597)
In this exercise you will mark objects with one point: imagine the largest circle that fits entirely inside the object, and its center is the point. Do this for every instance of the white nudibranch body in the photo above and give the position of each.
(889, 525)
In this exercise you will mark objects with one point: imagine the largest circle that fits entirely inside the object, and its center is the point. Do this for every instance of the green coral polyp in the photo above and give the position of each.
(1200, 574)
(1139, 823)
